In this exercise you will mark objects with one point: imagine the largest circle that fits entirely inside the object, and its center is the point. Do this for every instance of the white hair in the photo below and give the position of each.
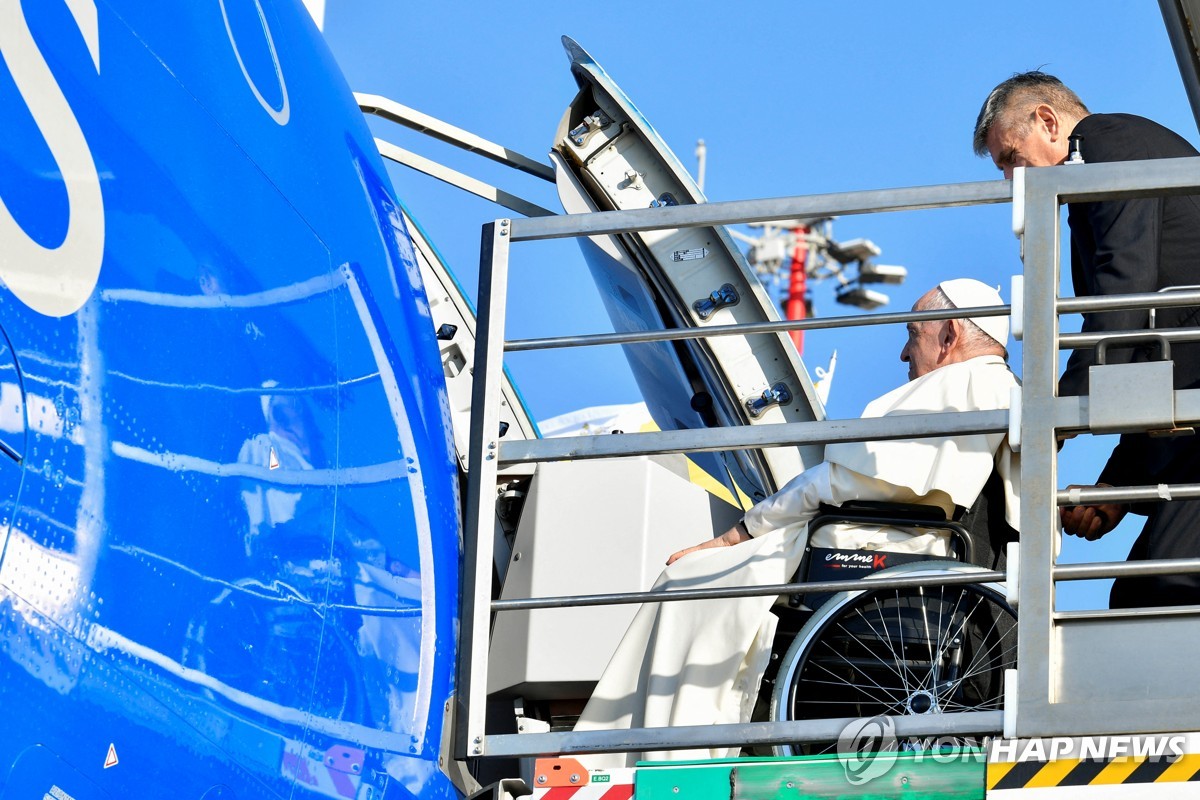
(975, 338)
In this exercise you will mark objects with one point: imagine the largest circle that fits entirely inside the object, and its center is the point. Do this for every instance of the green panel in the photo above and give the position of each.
(949, 776)
(702, 781)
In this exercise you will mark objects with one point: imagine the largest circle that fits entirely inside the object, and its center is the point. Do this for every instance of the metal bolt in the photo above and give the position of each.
(503, 223)
(491, 445)
(478, 740)
(489, 456)
(541, 779)
(504, 233)
(477, 750)
(574, 779)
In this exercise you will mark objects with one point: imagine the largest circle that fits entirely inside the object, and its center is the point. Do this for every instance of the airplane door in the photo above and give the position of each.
(607, 157)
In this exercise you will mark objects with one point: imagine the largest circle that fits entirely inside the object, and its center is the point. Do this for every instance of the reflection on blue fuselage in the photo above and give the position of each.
(227, 491)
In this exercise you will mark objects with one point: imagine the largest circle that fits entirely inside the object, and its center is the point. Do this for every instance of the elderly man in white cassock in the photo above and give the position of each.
(700, 662)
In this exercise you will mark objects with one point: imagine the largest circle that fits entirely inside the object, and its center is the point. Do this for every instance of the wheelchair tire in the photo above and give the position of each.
(871, 652)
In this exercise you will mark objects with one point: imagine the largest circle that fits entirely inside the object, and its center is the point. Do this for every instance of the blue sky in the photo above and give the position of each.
(790, 98)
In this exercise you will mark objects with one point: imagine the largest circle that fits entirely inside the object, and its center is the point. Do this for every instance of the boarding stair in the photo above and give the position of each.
(1081, 674)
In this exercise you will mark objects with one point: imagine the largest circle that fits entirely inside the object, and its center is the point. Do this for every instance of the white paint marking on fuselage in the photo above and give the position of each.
(88, 20)
(282, 114)
(55, 281)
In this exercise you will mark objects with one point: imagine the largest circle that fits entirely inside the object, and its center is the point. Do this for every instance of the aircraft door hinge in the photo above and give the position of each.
(664, 200)
(721, 298)
(777, 395)
(596, 121)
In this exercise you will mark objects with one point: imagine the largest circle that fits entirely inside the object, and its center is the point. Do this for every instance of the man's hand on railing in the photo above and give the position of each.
(1091, 522)
(734, 535)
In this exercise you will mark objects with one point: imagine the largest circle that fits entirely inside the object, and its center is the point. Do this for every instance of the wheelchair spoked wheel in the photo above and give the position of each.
(872, 652)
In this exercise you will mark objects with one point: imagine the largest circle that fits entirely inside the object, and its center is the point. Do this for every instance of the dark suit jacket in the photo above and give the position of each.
(1127, 246)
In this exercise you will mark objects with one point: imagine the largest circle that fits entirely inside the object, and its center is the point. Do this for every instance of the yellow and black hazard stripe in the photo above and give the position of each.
(1091, 772)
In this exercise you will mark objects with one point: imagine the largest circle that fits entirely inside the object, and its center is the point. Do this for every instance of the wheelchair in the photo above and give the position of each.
(867, 652)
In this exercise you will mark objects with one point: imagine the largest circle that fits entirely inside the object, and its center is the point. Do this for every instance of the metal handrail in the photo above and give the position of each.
(1125, 302)
(731, 212)
(761, 590)
(1084, 341)
(748, 328)
(742, 437)
(1127, 494)
(390, 110)
(1070, 416)
(1042, 414)
(968, 723)
(1068, 305)
(401, 114)
(1127, 569)
(1066, 572)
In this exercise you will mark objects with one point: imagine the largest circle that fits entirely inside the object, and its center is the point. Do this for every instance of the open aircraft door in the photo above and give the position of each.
(607, 156)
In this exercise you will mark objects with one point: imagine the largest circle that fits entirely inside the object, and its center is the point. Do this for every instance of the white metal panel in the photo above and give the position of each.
(588, 527)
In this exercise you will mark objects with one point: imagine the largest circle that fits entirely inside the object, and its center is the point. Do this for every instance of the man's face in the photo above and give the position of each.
(1037, 146)
(923, 347)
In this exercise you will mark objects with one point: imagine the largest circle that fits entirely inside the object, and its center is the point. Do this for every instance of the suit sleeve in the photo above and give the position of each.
(1124, 467)
(1127, 234)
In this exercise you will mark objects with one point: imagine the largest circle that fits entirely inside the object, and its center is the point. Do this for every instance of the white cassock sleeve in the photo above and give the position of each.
(957, 466)
(940, 471)
(796, 502)
(831, 484)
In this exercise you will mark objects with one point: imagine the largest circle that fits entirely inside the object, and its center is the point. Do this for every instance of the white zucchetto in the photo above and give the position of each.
(969, 293)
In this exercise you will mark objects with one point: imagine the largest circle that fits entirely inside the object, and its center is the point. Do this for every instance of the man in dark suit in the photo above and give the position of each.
(1117, 247)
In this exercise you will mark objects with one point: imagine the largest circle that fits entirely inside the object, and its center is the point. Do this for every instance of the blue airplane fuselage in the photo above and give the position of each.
(228, 497)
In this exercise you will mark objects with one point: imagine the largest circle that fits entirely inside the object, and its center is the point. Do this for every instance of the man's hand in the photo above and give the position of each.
(727, 539)
(1091, 522)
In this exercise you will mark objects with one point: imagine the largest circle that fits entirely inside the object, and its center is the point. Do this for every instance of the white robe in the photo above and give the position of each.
(700, 662)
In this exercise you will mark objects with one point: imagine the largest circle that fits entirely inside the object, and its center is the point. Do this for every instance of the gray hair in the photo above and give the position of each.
(975, 338)
(1028, 89)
